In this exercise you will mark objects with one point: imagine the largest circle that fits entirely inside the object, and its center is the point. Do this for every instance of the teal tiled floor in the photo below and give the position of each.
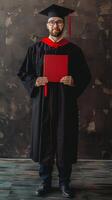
(91, 180)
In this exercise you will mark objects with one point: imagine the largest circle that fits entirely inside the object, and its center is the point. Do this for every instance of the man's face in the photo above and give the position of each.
(55, 26)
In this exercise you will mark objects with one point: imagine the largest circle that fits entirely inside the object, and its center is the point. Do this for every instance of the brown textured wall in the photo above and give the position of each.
(20, 26)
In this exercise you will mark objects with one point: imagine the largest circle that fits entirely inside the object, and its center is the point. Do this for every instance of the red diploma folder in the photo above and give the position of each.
(55, 67)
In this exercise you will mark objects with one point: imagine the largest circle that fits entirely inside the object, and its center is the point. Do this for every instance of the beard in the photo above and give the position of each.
(56, 33)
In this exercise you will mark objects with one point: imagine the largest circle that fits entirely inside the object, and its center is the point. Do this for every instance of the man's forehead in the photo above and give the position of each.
(55, 18)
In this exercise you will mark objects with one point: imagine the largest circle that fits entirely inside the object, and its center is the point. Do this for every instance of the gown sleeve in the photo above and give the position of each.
(82, 75)
(27, 73)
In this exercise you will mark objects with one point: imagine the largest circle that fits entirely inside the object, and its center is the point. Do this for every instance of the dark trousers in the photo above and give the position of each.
(64, 170)
(53, 136)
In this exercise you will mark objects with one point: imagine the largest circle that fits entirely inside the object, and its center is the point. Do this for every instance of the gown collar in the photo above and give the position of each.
(50, 43)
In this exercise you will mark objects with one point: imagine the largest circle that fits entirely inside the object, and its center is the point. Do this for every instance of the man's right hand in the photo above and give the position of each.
(42, 80)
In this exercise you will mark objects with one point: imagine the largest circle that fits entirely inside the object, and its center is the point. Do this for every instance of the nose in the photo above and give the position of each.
(55, 24)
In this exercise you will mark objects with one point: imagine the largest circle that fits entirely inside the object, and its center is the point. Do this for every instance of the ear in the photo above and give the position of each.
(47, 25)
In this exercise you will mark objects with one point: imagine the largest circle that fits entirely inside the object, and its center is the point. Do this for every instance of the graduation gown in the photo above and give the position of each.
(55, 117)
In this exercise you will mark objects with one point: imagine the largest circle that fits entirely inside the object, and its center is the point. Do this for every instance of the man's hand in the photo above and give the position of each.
(42, 80)
(67, 80)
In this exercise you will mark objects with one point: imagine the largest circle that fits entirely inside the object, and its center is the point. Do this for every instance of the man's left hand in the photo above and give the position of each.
(67, 80)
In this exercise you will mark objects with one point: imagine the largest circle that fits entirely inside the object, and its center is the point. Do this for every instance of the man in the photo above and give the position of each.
(54, 108)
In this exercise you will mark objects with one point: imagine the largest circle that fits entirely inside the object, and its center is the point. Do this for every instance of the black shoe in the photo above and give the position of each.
(66, 191)
(42, 190)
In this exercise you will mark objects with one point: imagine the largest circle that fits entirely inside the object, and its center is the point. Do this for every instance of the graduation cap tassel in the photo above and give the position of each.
(45, 90)
(69, 26)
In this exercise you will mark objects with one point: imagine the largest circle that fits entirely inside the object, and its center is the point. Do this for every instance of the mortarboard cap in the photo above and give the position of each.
(56, 11)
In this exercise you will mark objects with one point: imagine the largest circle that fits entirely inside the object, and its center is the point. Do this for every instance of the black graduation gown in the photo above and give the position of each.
(55, 117)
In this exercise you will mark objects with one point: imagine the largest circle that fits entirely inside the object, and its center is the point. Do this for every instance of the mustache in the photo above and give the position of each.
(57, 29)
